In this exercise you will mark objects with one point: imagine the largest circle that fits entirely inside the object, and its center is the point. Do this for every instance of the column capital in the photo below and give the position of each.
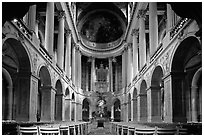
(91, 59)
(61, 14)
(77, 46)
(129, 45)
(135, 32)
(68, 32)
(112, 59)
(142, 13)
(126, 46)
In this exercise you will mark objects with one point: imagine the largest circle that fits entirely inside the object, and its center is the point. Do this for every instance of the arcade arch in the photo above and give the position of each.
(143, 102)
(157, 95)
(16, 88)
(185, 63)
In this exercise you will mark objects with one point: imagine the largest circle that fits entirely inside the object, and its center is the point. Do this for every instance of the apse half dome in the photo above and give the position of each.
(102, 27)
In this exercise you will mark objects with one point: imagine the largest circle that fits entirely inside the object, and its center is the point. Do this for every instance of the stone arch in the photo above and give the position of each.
(16, 61)
(67, 104)
(86, 109)
(58, 101)
(117, 110)
(45, 93)
(185, 62)
(7, 95)
(135, 105)
(142, 100)
(196, 96)
(157, 95)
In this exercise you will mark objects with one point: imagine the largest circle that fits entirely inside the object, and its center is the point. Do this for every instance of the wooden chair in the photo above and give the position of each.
(166, 131)
(145, 131)
(77, 129)
(131, 130)
(124, 130)
(182, 131)
(119, 129)
(72, 130)
(49, 130)
(64, 130)
(28, 130)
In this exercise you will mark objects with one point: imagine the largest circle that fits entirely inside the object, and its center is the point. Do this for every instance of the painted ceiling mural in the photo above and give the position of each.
(102, 27)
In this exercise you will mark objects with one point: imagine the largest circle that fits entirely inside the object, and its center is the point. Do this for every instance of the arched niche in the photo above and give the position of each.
(16, 61)
(135, 105)
(85, 109)
(186, 61)
(45, 93)
(73, 107)
(58, 101)
(157, 95)
(129, 107)
(117, 110)
(143, 102)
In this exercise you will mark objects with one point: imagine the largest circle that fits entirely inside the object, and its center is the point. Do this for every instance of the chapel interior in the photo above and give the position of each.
(116, 65)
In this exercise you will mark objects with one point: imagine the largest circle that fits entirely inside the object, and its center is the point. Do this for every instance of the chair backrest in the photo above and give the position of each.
(49, 131)
(125, 130)
(145, 131)
(166, 131)
(131, 130)
(64, 130)
(72, 130)
(183, 131)
(28, 130)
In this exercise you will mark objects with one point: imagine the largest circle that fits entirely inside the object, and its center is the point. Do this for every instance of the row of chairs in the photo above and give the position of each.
(77, 129)
(120, 129)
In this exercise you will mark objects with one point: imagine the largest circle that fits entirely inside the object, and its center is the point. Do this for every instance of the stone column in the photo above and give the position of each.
(153, 27)
(60, 41)
(168, 104)
(73, 64)
(76, 66)
(87, 77)
(92, 74)
(142, 40)
(32, 18)
(124, 68)
(90, 112)
(49, 28)
(194, 104)
(79, 69)
(129, 62)
(33, 98)
(112, 113)
(80, 110)
(116, 78)
(111, 74)
(135, 33)
(68, 53)
(169, 17)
